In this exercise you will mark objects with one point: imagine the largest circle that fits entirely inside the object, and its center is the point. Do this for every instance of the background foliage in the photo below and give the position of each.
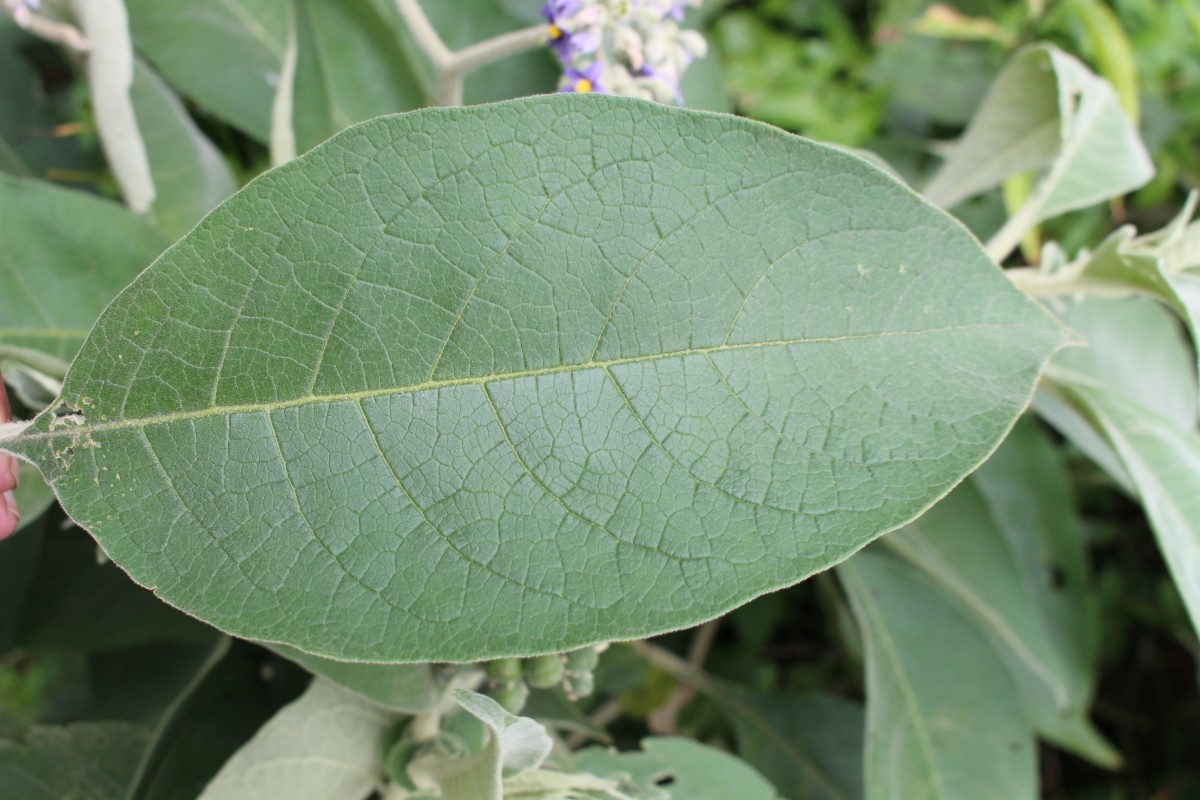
(1028, 636)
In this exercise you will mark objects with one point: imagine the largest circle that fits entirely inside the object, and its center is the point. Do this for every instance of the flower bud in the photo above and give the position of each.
(512, 696)
(503, 670)
(544, 672)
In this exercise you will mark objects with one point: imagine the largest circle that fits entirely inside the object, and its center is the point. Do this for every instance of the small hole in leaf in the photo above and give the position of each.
(64, 410)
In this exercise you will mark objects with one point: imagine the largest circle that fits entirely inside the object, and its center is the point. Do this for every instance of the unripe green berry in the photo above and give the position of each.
(582, 660)
(511, 695)
(503, 670)
(579, 684)
(544, 672)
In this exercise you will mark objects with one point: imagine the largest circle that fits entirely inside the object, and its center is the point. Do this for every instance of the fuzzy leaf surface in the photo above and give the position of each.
(324, 745)
(55, 278)
(929, 733)
(223, 54)
(84, 761)
(470, 383)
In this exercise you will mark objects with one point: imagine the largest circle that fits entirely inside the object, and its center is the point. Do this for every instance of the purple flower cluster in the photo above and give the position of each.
(628, 47)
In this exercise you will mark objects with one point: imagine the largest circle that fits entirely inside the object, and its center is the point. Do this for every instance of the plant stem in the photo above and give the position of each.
(49, 29)
(428, 40)
(452, 66)
(1035, 283)
(664, 720)
(508, 44)
(673, 665)
(425, 726)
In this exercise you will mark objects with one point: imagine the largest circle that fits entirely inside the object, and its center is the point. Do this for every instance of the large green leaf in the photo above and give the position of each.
(511, 379)
(944, 718)
(86, 761)
(224, 54)
(56, 278)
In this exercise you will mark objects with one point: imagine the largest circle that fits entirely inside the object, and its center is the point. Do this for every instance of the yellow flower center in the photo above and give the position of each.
(583, 86)
(554, 31)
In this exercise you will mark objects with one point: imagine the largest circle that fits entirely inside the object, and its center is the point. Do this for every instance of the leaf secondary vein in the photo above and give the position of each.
(470, 380)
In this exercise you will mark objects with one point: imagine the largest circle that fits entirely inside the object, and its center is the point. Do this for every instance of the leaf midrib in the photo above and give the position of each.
(70, 430)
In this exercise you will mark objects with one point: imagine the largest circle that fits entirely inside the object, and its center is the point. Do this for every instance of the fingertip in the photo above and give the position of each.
(10, 517)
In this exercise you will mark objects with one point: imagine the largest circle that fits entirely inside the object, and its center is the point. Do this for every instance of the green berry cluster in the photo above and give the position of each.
(510, 679)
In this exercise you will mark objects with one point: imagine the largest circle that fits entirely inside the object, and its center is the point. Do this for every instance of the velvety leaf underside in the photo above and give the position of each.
(515, 378)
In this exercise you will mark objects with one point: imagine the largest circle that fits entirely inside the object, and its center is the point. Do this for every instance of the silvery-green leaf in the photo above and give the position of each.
(337, 44)
(1163, 463)
(55, 277)
(544, 784)
(996, 561)
(515, 745)
(324, 746)
(190, 173)
(1135, 349)
(1046, 112)
(514, 379)
(930, 733)
(409, 688)
(1025, 487)
(1164, 264)
(521, 742)
(35, 389)
(1017, 128)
